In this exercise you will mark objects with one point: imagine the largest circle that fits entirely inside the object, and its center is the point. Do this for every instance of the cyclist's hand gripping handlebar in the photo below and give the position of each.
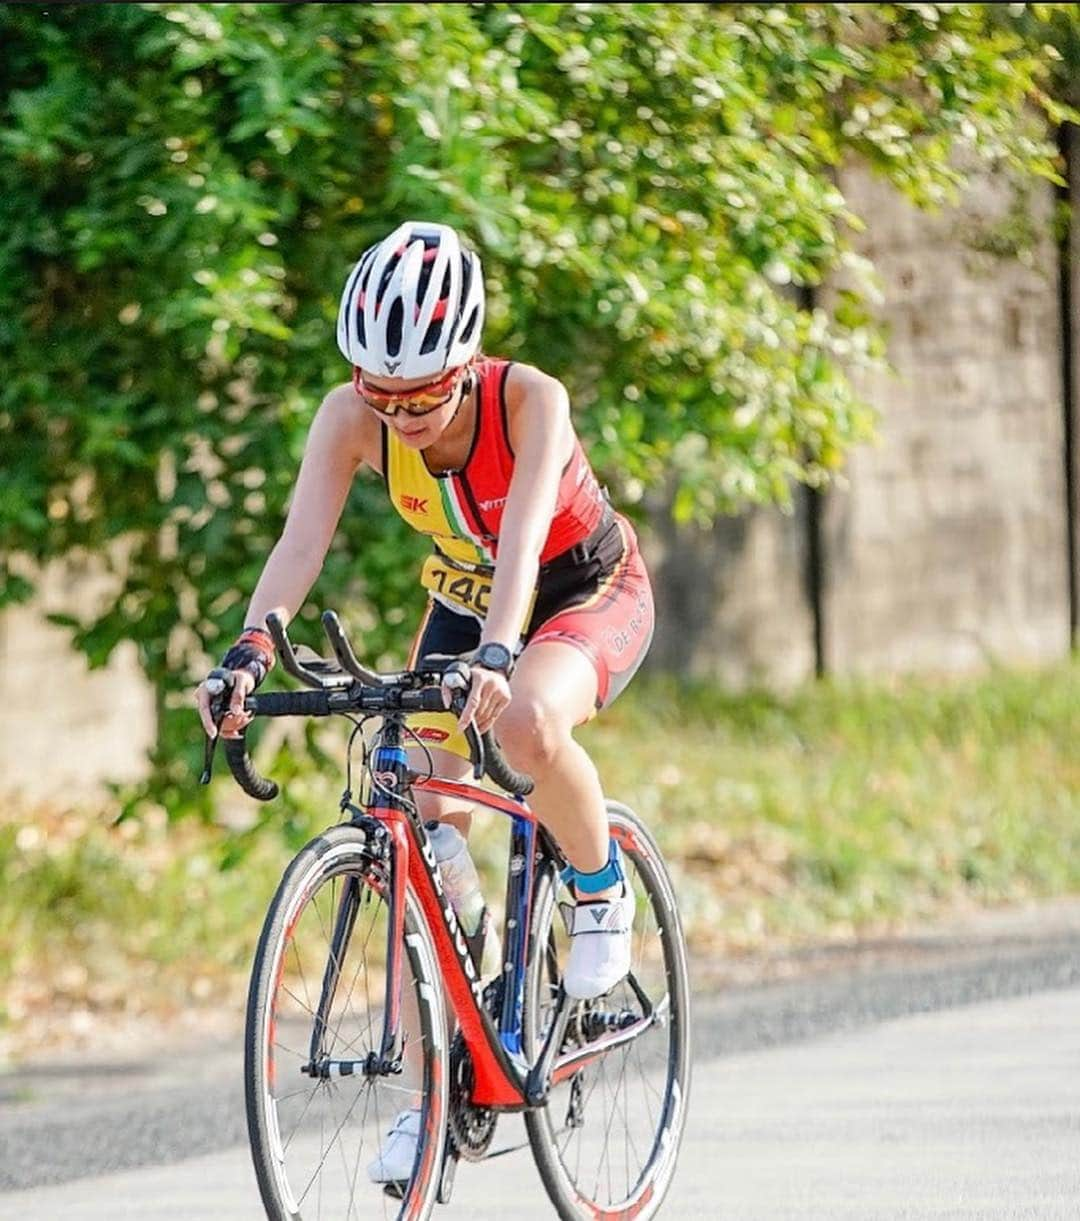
(337, 692)
(487, 758)
(218, 683)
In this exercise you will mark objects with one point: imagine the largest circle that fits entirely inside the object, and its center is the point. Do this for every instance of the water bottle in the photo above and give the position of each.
(461, 883)
(459, 877)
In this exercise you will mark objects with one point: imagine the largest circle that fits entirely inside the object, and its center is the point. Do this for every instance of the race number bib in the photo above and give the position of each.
(469, 591)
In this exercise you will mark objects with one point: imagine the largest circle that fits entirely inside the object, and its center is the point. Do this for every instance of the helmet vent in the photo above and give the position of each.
(431, 337)
(470, 325)
(393, 327)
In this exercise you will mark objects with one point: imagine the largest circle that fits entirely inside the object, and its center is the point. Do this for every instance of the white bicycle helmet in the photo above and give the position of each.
(413, 305)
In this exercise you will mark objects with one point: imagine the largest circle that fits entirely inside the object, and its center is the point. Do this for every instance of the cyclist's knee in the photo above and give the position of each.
(531, 733)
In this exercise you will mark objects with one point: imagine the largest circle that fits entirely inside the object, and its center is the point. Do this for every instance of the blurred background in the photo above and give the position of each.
(811, 275)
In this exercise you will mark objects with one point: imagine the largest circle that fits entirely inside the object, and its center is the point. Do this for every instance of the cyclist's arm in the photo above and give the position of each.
(343, 437)
(538, 415)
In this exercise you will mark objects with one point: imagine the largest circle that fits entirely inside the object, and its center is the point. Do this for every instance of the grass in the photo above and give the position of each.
(851, 807)
(841, 810)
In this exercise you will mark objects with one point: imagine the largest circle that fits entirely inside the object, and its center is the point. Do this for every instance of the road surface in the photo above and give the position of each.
(946, 1085)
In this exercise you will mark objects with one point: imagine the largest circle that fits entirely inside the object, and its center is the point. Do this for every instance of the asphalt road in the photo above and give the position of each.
(935, 1079)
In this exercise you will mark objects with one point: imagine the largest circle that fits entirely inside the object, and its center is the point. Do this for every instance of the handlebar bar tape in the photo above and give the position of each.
(290, 703)
(497, 768)
(244, 772)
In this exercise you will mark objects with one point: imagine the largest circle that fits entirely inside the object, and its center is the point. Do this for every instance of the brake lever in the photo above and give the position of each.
(457, 677)
(218, 685)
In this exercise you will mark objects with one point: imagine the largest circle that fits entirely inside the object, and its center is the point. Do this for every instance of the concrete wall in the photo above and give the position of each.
(732, 602)
(65, 729)
(945, 545)
(948, 548)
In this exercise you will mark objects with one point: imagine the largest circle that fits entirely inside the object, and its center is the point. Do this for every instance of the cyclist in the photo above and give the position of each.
(532, 573)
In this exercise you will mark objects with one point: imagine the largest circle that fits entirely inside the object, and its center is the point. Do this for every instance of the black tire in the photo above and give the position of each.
(290, 1115)
(607, 1141)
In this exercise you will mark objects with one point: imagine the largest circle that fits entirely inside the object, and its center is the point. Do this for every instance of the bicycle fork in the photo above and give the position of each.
(390, 859)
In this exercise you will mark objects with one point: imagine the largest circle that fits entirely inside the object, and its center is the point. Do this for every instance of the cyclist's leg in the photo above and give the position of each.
(554, 689)
(438, 743)
(575, 663)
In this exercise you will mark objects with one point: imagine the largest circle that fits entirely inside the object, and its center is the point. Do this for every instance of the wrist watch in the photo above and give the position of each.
(494, 656)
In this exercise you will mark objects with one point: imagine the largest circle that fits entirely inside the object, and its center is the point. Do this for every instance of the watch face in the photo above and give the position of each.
(494, 657)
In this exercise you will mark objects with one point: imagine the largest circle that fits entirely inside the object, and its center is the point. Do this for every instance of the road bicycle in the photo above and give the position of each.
(367, 996)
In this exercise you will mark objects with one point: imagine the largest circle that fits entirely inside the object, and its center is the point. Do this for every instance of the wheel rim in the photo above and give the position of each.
(613, 1129)
(322, 1132)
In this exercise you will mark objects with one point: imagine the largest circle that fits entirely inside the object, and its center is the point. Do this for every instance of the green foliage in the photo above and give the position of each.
(1056, 29)
(185, 187)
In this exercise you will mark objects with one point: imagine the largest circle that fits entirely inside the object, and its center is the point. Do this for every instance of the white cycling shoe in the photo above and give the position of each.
(398, 1153)
(600, 943)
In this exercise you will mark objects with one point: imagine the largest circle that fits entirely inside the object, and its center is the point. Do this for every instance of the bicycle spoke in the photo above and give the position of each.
(300, 969)
(279, 1098)
(628, 1142)
(283, 1047)
(361, 963)
(603, 1154)
(313, 1146)
(579, 1156)
(367, 996)
(341, 1144)
(303, 1113)
(648, 1087)
(307, 1008)
(356, 1172)
(326, 1149)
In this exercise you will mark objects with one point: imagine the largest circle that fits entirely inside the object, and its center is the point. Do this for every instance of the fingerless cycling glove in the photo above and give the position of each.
(253, 652)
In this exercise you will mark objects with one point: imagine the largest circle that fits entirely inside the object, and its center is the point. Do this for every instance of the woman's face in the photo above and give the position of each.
(389, 398)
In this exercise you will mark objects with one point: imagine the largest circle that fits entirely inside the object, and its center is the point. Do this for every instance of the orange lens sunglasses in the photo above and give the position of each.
(421, 400)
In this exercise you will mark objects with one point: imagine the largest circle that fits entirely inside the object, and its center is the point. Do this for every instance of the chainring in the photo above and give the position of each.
(472, 1127)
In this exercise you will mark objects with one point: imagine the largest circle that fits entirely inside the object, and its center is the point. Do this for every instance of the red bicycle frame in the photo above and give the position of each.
(502, 1080)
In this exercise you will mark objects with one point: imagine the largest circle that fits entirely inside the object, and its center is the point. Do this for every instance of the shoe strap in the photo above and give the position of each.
(606, 916)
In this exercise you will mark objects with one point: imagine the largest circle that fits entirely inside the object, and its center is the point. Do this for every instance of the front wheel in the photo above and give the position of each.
(318, 985)
(607, 1140)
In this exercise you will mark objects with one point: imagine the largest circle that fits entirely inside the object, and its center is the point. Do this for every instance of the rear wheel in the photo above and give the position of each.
(320, 971)
(607, 1140)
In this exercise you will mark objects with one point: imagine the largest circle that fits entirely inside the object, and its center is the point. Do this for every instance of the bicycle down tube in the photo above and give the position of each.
(498, 1082)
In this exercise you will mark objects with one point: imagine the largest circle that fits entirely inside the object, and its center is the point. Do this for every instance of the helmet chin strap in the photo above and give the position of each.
(468, 383)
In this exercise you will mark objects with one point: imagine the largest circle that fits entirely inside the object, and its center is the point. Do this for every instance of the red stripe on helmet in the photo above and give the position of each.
(438, 312)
